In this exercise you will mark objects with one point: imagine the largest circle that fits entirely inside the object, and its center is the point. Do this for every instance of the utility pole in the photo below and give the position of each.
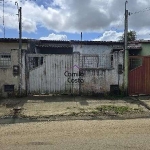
(20, 48)
(126, 53)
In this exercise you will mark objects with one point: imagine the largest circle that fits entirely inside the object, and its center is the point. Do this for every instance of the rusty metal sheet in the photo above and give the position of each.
(139, 79)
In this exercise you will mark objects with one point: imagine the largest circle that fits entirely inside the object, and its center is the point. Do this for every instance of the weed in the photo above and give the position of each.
(116, 109)
(138, 109)
(73, 114)
(68, 108)
(81, 108)
(94, 112)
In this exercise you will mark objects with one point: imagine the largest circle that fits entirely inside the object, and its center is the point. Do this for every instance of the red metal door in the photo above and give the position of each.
(139, 78)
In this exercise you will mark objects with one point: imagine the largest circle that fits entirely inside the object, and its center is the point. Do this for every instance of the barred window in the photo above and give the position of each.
(96, 61)
(5, 60)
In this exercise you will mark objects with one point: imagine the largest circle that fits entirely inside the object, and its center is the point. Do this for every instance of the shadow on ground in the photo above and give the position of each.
(83, 100)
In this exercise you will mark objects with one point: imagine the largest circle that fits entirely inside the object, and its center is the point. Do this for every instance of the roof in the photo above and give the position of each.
(55, 46)
(62, 42)
(53, 42)
(73, 41)
(135, 47)
(11, 40)
(130, 47)
(139, 41)
(97, 42)
(143, 41)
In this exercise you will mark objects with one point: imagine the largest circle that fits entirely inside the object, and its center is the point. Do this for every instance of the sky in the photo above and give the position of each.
(98, 20)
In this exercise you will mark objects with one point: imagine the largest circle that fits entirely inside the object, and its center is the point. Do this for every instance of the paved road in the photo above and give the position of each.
(76, 135)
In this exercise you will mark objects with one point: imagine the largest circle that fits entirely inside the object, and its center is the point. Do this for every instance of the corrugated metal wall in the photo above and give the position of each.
(62, 73)
(49, 77)
(139, 78)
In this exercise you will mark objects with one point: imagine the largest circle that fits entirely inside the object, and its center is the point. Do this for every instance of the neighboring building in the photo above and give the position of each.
(9, 81)
(139, 68)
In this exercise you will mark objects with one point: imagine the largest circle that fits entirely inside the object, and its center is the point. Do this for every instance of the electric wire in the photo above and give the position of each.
(141, 11)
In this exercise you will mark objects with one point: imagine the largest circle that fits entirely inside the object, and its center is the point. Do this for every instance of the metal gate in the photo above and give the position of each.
(46, 74)
(139, 75)
(72, 73)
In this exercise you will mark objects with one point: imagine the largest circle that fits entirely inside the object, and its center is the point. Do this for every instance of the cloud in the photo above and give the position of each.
(63, 15)
(109, 36)
(144, 33)
(29, 26)
(54, 37)
(75, 16)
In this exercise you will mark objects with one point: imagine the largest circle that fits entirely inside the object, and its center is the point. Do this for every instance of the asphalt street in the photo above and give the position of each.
(76, 135)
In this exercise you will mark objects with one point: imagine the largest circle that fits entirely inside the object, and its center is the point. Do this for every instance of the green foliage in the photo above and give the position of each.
(116, 109)
(131, 36)
(73, 114)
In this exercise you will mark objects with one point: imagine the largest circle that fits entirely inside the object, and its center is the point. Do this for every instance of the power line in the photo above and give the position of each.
(119, 24)
(3, 5)
(141, 11)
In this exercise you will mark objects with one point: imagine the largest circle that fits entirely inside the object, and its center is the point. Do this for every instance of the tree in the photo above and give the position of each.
(131, 36)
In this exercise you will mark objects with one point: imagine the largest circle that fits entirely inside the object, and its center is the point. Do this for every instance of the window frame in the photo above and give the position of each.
(3, 62)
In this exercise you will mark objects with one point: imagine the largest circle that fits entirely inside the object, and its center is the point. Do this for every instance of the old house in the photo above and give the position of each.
(71, 67)
(9, 73)
(56, 67)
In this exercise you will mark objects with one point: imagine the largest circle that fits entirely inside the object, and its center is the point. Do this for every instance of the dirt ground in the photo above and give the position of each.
(75, 135)
(44, 106)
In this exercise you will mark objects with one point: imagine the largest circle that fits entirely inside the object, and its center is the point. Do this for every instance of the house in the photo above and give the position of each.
(64, 67)
(9, 70)
(97, 61)
(139, 68)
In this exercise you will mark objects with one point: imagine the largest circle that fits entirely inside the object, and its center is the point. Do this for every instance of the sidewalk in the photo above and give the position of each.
(40, 106)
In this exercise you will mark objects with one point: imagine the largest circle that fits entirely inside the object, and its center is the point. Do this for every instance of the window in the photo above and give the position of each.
(134, 62)
(96, 61)
(35, 62)
(112, 59)
(5, 60)
(8, 88)
(89, 61)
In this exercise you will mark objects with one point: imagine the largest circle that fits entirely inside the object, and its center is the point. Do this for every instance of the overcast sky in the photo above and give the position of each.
(66, 19)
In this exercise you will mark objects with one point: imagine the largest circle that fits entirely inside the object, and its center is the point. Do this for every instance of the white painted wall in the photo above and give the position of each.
(99, 80)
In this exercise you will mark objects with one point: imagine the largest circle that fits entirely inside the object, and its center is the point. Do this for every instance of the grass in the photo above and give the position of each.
(116, 109)
(94, 112)
(73, 114)
(68, 108)
(108, 109)
(82, 110)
